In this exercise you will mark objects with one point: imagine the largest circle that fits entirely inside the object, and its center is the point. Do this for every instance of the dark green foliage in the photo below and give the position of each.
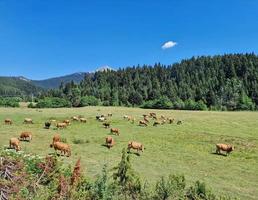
(228, 82)
(52, 102)
(199, 191)
(89, 101)
(126, 178)
(10, 101)
(172, 188)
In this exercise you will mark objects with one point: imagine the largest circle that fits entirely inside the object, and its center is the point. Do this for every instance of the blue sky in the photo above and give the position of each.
(46, 38)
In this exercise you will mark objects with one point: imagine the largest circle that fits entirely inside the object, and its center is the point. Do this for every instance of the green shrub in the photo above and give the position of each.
(52, 102)
(10, 101)
(89, 101)
(161, 103)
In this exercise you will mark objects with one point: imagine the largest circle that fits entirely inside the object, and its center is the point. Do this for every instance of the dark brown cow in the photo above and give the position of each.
(106, 124)
(26, 136)
(142, 123)
(8, 121)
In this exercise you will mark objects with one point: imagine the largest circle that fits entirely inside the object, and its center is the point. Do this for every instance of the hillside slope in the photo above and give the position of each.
(17, 86)
(56, 81)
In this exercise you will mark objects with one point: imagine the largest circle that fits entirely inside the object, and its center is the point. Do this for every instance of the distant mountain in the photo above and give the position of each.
(55, 82)
(17, 86)
(104, 68)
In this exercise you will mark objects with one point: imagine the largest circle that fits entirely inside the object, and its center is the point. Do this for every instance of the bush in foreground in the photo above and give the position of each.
(33, 177)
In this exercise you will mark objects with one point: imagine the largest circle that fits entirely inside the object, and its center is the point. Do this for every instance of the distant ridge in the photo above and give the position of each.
(55, 82)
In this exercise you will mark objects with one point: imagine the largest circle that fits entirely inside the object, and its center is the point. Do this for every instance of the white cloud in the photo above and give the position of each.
(168, 45)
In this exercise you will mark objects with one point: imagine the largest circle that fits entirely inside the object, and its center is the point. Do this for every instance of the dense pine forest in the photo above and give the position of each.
(227, 82)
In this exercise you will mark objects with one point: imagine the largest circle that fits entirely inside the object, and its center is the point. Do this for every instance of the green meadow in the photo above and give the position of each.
(169, 149)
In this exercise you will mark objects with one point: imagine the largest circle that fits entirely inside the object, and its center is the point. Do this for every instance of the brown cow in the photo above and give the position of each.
(152, 114)
(156, 123)
(224, 147)
(170, 120)
(14, 143)
(28, 121)
(142, 123)
(83, 120)
(63, 148)
(146, 120)
(67, 121)
(110, 142)
(74, 118)
(26, 136)
(56, 138)
(135, 145)
(8, 121)
(61, 125)
(115, 131)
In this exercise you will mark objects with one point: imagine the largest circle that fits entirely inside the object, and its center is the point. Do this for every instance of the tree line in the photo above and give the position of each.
(223, 82)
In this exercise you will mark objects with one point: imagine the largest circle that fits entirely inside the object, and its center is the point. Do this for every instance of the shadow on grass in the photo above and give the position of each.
(135, 153)
(221, 154)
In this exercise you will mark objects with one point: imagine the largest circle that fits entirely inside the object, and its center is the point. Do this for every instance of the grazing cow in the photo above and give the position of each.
(162, 117)
(8, 121)
(63, 148)
(129, 118)
(142, 123)
(67, 121)
(146, 120)
(145, 116)
(97, 117)
(115, 131)
(179, 122)
(74, 118)
(14, 143)
(28, 121)
(110, 142)
(83, 120)
(135, 145)
(152, 115)
(170, 120)
(102, 119)
(224, 147)
(125, 116)
(26, 136)
(156, 123)
(61, 125)
(56, 138)
(106, 124)
(47, 125)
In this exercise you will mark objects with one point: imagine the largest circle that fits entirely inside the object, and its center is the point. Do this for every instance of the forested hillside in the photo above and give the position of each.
(17, 86)
(220, 82)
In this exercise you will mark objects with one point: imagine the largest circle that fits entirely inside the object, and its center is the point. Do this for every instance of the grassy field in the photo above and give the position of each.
(179, 149)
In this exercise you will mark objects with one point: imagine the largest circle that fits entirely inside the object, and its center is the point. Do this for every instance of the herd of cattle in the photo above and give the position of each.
(65, 149)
